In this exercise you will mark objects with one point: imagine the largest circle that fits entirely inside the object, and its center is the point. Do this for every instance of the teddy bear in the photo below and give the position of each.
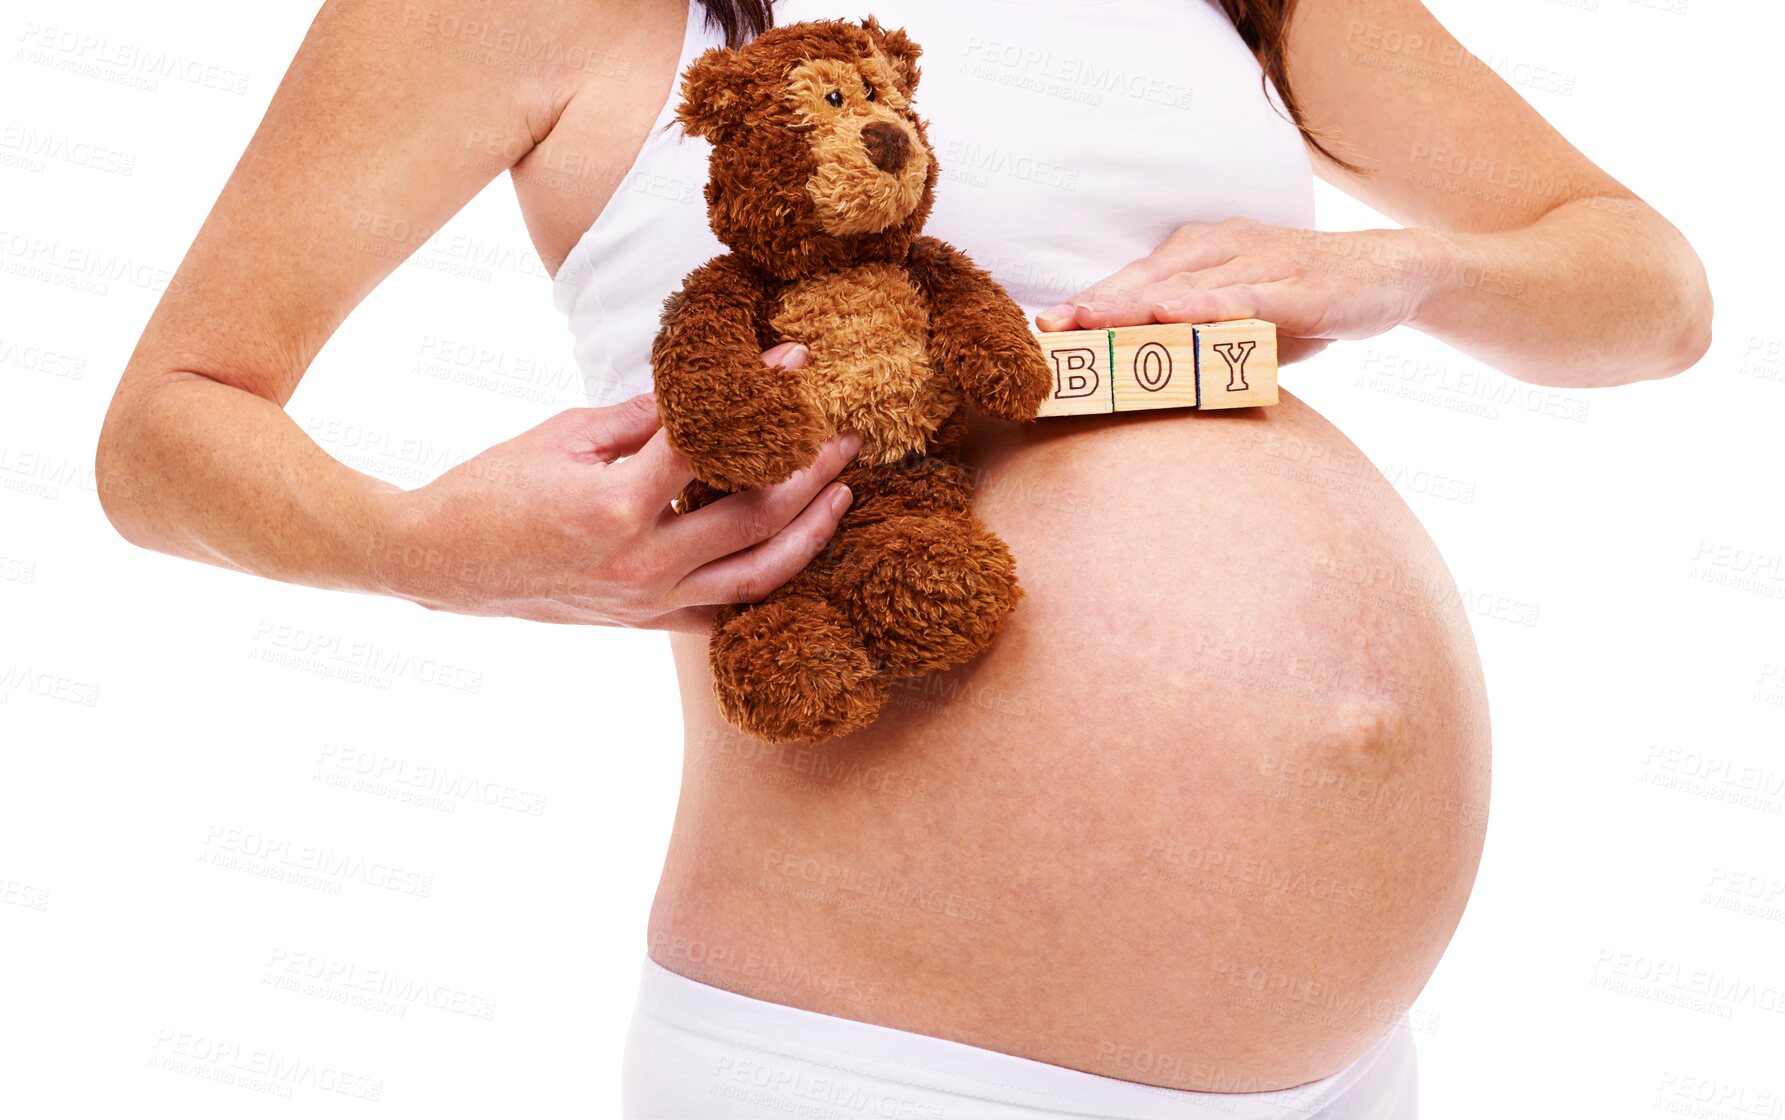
(821, 175)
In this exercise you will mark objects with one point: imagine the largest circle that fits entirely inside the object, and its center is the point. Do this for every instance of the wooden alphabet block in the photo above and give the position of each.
(1161, 365)
(1080, 361)
(1154, 366)
(1236, 364)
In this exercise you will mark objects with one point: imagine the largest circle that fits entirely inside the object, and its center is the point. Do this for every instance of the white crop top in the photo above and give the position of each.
(1072, 136)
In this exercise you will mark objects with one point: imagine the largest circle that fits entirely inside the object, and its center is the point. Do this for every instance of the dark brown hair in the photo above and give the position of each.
(1262, 25)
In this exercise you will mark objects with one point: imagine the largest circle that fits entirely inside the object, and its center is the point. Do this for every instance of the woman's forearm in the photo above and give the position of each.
(196, 468)
(568, 521)
(1601, 291)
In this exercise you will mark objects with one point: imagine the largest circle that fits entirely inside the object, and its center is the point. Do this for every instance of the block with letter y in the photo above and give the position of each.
(1236, 364)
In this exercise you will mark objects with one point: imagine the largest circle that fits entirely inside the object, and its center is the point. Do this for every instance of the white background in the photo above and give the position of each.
(158, 718)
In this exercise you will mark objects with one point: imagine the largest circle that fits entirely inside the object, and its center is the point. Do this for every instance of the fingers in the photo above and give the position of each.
(656, 473)
(742, 520)
(606, 434)
(1137, 274)
(745, 577)
(1108, 303)
(657, 469)
(1069, 314)
(789, 355)
(1273, 302)
(1104, 293)
(1141, 305)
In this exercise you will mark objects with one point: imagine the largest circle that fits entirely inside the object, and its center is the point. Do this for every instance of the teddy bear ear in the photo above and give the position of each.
(899, 50)
(713, 101)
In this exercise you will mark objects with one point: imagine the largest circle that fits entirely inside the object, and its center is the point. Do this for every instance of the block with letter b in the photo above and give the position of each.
(1079, 361)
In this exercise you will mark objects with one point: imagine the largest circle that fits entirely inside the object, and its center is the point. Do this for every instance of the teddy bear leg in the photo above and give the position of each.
(792, 668)
(926, 590)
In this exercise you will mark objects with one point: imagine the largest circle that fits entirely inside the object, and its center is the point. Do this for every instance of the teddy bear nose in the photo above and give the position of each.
(887, 146)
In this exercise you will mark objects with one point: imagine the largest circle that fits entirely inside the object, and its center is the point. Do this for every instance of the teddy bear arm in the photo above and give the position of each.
(978, 333)
(740, 422)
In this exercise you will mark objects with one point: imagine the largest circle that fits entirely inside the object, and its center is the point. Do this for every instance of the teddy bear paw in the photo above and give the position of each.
(927, 592)
(793, 669)
(1023, 382)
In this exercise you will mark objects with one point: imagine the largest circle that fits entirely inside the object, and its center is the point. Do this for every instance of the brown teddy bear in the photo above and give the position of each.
(821, 175)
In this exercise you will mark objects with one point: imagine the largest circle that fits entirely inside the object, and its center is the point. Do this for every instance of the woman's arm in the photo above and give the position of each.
(361, 155)
(1524, 253)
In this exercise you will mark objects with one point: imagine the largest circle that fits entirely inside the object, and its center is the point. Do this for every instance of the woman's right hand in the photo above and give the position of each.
(570, 522)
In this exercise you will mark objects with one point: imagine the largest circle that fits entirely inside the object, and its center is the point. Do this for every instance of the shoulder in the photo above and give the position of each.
(537, 51)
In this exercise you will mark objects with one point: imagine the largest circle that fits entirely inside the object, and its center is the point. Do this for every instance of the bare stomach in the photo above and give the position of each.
(1204, 816)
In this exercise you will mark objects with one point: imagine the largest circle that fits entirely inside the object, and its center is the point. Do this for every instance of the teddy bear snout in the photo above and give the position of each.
(888, 146)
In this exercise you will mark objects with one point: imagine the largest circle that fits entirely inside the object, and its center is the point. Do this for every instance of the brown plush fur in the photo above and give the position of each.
(821, 207)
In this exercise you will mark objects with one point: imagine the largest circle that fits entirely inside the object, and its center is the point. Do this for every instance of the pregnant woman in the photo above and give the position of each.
(1191, 836)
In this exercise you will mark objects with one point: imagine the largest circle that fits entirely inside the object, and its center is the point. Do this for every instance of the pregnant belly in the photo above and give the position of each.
(1204, 816)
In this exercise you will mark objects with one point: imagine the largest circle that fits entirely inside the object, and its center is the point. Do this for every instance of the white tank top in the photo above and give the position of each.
(1072, 136)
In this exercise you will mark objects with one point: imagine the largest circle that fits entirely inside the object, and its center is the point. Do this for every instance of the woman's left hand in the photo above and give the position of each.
(1315, 286)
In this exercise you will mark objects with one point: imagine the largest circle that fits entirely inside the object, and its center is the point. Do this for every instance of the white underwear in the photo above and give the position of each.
(696, 1052)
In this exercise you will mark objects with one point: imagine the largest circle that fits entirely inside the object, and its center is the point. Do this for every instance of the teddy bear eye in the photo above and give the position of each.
(869, 88)
(835, 97)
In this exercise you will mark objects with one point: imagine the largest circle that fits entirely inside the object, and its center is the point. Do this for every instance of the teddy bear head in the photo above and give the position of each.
(818, 160)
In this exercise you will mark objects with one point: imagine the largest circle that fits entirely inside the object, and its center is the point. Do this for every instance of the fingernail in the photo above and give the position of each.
(795, 357)
(1058, 311)
(850, 444)
(1169, 307)
(1094, 308)
(840, 500)
(774, 354)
